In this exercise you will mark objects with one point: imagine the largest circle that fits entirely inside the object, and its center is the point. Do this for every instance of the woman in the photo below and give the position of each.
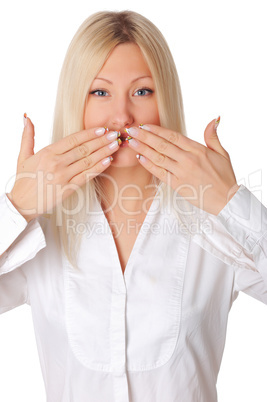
(129, 240)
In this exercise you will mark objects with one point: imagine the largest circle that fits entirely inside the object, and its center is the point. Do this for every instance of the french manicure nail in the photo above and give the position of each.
(100, 131)
(114, 144)
(107, 160)
(25, 121)
(217, 122)
(113, 135)
(144, 127)
(141, 157)
(132, 131)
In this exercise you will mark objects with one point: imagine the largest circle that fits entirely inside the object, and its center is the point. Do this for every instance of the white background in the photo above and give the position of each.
(220, 51)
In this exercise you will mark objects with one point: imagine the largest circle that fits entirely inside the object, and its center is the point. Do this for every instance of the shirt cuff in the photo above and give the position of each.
(225, 236)
(245, 219)
(12, 223)
(19, 241)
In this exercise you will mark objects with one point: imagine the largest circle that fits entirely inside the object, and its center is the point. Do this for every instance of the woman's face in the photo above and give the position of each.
(122, 95)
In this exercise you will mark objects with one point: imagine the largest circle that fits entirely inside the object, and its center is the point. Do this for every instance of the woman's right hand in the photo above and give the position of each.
(46, 178)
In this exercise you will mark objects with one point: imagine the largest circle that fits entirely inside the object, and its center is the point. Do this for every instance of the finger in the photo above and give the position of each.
(85, 176)
(27, 141)
(159, 144)
(170, 136)
(212, 139)
(88, 174)
(158, 171)
(90, 162)
(88, 148)
(155, 157)
(74, 140)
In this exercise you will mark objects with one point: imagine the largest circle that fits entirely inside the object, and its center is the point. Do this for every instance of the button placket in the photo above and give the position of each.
(118, 337)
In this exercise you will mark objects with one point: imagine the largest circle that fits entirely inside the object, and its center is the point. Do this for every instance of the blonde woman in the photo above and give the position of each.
(129, 240)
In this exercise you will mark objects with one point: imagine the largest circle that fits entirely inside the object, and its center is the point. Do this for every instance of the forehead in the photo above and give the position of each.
(125, 60)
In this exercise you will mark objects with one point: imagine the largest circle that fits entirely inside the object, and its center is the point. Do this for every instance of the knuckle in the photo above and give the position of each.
(53, 165)
(191, 162)
(82, 149)
(47, 157)
(85, 176)
(72, 140)
(87, 162)
(205, 151)
(159, 159)
(201, 152)
(226, 154)
(46, 152)
(162, 146)
(162, 173)
(200, 156)
(172, 137)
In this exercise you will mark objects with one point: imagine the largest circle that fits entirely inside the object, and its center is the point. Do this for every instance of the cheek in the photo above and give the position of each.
(92, 116)
(151, 113)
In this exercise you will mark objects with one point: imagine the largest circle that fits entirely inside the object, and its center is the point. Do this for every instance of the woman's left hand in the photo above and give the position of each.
(201, 174)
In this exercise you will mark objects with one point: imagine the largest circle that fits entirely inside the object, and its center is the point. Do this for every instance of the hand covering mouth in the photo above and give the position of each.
(124, 135)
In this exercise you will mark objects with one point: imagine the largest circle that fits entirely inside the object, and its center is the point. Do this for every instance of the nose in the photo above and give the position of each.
(122, 113)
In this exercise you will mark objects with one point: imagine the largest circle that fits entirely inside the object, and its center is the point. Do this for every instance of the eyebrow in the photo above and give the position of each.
(136, 79)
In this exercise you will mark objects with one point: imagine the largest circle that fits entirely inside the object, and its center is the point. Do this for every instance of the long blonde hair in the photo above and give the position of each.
(87, 53)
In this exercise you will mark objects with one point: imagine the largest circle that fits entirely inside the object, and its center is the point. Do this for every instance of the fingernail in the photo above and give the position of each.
(25, 120)
(143, 127)
(132, 142)
(113, 135)
(141, 157)
(106, 161)
(217, 122)
(132, 131)
(114, 144)
(100, 131)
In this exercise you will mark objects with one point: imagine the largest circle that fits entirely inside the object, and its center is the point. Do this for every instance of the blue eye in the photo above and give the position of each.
(143, 92)
(99, 92)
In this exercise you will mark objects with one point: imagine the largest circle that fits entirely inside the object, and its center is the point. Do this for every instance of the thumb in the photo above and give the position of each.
(211, 137)
(27, 141)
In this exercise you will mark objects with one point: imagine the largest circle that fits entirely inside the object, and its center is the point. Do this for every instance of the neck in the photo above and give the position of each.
(127, 188)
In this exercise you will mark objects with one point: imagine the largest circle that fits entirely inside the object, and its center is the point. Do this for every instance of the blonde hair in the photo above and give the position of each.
(87, 53)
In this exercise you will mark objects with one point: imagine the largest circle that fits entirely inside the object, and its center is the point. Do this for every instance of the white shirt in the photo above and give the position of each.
(154, 334)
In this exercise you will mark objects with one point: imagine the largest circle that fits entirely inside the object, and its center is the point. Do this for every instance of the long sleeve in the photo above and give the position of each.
(19, 243)
(238, 236)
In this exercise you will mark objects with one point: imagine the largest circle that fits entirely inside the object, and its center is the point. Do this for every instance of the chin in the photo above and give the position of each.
(125, 157)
